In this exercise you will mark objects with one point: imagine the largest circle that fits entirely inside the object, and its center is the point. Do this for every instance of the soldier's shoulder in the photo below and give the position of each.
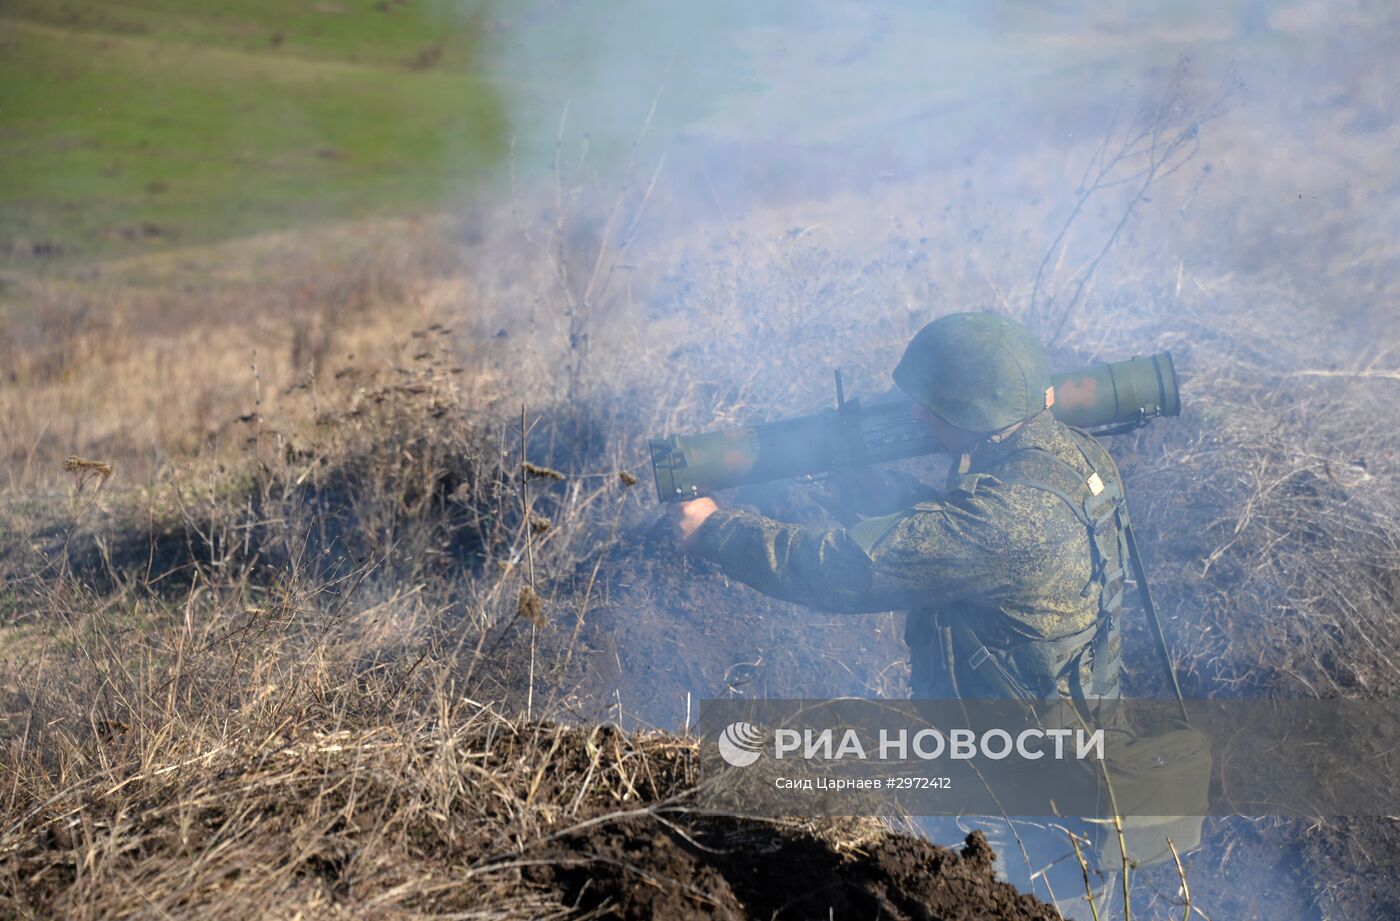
(1055, 448)
(1053, 437)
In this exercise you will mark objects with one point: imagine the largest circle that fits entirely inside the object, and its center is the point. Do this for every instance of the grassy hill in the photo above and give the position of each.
(129, 126)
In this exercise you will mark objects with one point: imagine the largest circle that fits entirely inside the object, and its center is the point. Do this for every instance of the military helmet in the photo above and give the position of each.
(978, 371)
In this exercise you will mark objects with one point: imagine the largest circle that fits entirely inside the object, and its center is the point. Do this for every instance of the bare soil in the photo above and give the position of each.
(731, 868)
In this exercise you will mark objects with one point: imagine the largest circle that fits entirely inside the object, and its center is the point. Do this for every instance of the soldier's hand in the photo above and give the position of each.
(689, 516)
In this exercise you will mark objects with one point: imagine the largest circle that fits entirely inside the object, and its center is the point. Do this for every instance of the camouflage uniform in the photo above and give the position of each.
(1012, 577)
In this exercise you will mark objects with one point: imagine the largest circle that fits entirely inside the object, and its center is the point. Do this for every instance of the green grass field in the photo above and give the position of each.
(132, 126)
(129, 127)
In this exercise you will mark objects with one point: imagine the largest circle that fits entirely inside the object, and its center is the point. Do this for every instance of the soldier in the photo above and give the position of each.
(1012, 577)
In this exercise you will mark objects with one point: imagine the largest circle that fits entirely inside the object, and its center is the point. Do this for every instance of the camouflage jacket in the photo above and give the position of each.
(990, 566)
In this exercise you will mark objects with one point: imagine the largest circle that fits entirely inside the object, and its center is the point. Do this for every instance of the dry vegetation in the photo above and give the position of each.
(315, 667)
(281, 660)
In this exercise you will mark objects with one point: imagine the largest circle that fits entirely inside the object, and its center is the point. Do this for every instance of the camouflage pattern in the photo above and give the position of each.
(990, 561)
(979, 371)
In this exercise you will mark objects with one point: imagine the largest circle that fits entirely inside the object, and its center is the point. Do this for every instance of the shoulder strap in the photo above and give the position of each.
(1158, 636)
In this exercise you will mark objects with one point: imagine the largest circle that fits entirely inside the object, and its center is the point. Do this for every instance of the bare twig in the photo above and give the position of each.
(1159, 144)
(1084, 870)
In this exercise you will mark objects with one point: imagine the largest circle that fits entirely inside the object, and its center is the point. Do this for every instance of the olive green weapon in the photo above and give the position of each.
(1103, 399)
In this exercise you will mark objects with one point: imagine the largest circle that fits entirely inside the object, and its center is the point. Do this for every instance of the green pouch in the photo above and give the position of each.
(1171, 764)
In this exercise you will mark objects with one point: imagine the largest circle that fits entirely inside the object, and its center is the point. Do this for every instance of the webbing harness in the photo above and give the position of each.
(1098, 502)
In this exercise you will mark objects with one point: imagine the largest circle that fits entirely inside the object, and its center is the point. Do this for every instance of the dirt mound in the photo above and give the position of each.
(723, 867)
(477, 814)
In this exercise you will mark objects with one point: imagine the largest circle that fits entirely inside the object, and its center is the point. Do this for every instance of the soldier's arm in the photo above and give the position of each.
(869, 492)
(934, 551)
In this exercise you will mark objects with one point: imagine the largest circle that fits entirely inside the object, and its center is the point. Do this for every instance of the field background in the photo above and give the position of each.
(143, 125)
(291, 273)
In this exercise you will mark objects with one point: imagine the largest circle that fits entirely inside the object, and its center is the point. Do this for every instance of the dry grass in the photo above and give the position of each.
(272, 699)
(149, 363)
(277, 664)
(305, 787)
